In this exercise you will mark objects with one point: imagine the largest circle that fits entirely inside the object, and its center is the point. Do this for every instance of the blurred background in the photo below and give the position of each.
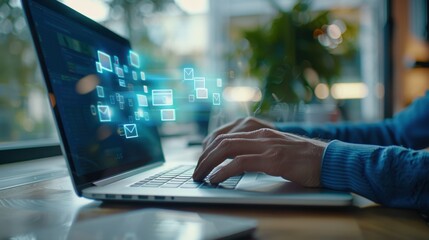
(281, 60)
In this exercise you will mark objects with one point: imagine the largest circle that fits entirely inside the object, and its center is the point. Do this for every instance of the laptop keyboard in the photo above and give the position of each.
(181, 177)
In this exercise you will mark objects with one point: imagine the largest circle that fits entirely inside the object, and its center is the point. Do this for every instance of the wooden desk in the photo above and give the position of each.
(53, 203)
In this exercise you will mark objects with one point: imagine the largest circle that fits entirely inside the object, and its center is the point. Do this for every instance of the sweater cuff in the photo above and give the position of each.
(343, 167)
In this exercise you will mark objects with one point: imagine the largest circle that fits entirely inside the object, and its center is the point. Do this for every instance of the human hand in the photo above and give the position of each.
(292, 157)
(240, 125)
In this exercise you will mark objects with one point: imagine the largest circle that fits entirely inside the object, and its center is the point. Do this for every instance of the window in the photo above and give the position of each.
(25, 114)
(208, 37)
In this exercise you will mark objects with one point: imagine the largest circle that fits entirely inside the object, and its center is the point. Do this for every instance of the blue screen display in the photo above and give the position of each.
(101, 95)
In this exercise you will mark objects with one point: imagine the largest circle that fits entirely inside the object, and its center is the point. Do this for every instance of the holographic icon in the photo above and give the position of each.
(112, 99)
(116, 60)
(104, 113)
(146, 116)
(126, 68)
(140, 113)
(98, 66)
(122, 82)
(121, 105)
(120, 72)
(162, 97)
(135, 75)
(136, 116)
(143, 76)
(93, 110)
(199, 82)
(142, 100)
(188, 74)
(105, 61)
(145, 89)
(191, 98)
(216, 98)
(134, 59)
(219, 82)
(130, 102)
(202, 93)
(130, 131)
(100, 91)
(168, 114)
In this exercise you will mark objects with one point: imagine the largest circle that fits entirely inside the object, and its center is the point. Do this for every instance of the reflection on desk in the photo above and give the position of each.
(54, 204)
(21, 173)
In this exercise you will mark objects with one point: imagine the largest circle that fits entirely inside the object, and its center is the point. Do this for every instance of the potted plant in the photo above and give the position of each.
(294, 46)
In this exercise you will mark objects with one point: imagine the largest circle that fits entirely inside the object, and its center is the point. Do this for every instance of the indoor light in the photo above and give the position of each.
(349, 90)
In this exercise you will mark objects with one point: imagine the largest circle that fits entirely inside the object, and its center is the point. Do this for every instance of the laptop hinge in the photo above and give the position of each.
(109, 180)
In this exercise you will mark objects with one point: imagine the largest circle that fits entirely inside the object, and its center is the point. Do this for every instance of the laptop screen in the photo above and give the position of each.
(98, 89)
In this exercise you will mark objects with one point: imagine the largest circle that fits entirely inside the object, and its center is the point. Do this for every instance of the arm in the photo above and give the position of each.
(393, 176)
(381, 133)
(408, 128)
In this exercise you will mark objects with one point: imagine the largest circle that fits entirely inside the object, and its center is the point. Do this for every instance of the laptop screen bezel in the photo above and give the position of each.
(80, 182)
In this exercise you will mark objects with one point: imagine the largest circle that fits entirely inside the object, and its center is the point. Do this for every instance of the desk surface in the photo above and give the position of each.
(53, 203)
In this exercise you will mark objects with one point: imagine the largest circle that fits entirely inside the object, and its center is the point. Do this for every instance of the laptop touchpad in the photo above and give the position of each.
(262, 183)
(266, 177)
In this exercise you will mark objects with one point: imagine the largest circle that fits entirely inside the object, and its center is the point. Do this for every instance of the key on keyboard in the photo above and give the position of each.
(181, 177)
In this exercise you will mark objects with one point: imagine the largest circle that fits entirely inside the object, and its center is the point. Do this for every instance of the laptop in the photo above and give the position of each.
(107, 109)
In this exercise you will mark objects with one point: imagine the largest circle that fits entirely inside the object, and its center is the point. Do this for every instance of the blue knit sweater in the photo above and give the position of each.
(380, 161)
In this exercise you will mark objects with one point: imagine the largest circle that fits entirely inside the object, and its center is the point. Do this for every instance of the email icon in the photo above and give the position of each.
(120, 72)
(199, 82)
(104, 113)
(130, 131)
(188, 74)
(100, 91)
(134, 59)
(105, 61)
(216, 98)
(168, 115)
(142, 100)
(202, 93)
(162, 97)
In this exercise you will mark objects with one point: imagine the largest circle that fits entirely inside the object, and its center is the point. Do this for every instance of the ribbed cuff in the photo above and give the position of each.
(343, 167)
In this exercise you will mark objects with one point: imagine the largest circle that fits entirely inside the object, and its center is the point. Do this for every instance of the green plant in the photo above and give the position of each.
(295, 41)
